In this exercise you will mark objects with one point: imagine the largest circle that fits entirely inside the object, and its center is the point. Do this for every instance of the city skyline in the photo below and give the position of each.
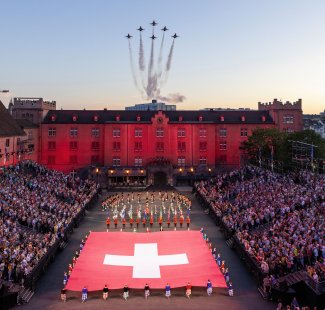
(229, 55)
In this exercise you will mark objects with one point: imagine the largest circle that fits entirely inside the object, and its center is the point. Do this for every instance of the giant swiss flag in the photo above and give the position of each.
(117, 258)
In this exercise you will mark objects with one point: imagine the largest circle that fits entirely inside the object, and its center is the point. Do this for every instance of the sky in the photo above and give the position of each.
(230, 53)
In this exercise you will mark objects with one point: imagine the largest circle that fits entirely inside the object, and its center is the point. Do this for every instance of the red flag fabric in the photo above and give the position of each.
(117, 258)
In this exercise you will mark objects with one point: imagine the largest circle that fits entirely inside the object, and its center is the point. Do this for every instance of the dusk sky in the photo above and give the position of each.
(229, 53)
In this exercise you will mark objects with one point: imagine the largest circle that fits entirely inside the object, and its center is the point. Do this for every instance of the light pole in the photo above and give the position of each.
(97, 172)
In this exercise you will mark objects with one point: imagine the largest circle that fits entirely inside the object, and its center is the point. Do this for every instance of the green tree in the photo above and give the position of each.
(262, 140)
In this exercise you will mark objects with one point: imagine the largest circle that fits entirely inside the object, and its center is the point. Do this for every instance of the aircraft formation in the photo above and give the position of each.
(150, 77)
(153, 37)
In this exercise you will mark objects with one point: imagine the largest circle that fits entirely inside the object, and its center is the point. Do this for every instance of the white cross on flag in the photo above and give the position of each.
(117, 258)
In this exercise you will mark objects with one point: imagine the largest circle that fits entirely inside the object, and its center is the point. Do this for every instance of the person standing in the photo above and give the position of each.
(146, 291)
(131, 222)
(84, 294)
(188, 290)
(65, 278)
(108, 222)
(115, 222)
(126, 292)
(151, 221)
(168, 291)
(181, 220)
(230, 289)
(105, 292)
(188, 221)
(64, 295)
(209, 288)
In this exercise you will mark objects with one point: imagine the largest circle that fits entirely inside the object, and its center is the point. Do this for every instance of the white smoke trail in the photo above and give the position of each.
(142, 65)
(133, 68)
(170, 57)
(151, 77)
(168, 64)
(159, 66)
(172, 98)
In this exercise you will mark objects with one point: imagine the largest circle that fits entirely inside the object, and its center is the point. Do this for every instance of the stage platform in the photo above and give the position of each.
(156, 258)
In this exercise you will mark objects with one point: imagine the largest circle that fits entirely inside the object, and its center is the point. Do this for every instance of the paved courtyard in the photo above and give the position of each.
(47, 295)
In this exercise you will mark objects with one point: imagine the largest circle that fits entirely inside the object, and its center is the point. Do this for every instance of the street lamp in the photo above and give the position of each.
(97, 172)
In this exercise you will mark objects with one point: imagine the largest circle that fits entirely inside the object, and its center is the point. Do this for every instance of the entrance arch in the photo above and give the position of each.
(160, 178)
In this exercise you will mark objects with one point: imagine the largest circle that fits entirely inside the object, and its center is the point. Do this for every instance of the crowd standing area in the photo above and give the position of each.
(37, 205)
(278, 219)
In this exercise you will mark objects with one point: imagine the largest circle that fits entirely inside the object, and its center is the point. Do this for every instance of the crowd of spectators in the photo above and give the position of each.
(36, 207)
(279, 219)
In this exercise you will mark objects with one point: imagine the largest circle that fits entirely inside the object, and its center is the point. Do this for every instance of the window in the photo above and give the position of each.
(203, 146)
(116, 146)
(203, 161)
(95, 132)
(223, 132)
(223, 145)
(138, 132)
(160, 132)
(73, 159)
(73, 132)
(160, 146)
(51, 145)
(7, 142)
(138, 146)
(181, 146)
(116, 132)
(288, 130)
(52, 132)
(95, 145)
(202, 132)
(181, 132)
(94, 159)
(116, 161)
(181, 161)
(288, 119)
(243, 132)
(138, 161)
(51, 160)
(73, 145)
(30, 135)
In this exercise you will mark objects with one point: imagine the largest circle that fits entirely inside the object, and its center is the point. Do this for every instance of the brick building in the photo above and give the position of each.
(156, 146)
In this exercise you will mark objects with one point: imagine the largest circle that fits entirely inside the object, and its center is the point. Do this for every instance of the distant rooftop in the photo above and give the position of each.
(154, 105)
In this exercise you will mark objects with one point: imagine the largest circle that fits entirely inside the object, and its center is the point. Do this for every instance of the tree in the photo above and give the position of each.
(263, 142)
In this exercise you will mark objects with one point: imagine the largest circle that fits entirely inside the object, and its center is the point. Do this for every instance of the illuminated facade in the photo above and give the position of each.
(141, 145)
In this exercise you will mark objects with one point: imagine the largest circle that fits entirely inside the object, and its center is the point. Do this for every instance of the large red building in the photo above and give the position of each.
(155, 146)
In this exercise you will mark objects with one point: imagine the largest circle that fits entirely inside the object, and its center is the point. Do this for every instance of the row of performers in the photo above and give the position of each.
(181, 220)
(118, 199)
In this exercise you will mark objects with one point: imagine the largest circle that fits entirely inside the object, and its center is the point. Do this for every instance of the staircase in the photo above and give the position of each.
(262, 292)
(230, 242)
(295, 277)
(24, 295)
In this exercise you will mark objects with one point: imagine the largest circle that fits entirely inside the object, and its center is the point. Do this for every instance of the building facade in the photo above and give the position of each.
(13, 139)
(147, 146)
(32, 109)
